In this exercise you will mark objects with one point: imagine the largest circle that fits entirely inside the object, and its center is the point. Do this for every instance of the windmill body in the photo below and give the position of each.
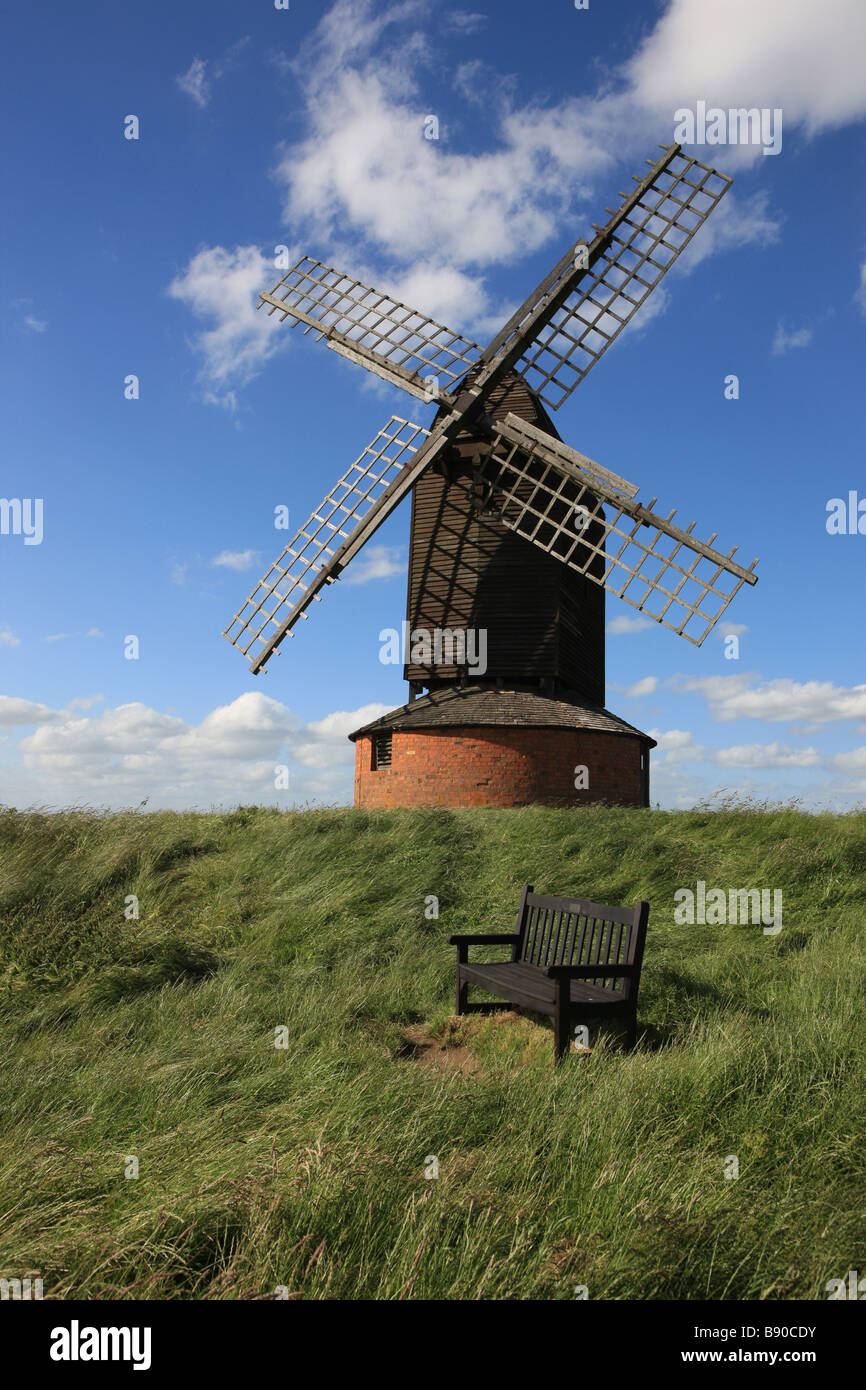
(515, 536)
(544, 623)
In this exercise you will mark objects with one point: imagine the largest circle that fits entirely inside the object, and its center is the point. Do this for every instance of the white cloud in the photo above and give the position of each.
(365, 166)
(197, 82)
(323, 741)
(235, 559)
(759, 755)
(376, 562)
(736, 222)
(677, 746)
(625, 623)
(438, 218)
(464, 21)
(807, 59)
(94, 632)
(647, 686)
(860, 296)
(784, 340)
(57, 637)
(178, 573)
(222, 286)
(124, 754)
(15, 712)
(781, 701)
(852, 762)
(8, 639)
(362, 182)
(194, 82)
(38, 325)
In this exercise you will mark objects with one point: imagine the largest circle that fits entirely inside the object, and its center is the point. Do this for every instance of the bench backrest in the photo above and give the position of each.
(575, 931)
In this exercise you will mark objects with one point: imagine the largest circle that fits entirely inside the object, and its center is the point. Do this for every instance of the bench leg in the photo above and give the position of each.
(561, 1037)
(462, 995)
(631, 1032)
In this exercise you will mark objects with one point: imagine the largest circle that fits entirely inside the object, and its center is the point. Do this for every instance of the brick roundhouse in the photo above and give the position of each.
(482, 747)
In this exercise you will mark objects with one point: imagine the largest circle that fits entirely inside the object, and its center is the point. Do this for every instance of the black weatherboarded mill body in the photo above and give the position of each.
(544, 622)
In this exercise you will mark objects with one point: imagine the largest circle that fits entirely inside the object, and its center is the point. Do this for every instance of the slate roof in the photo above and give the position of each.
(480, 705)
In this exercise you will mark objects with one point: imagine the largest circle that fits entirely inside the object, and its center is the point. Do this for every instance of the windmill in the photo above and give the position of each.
(514, 533)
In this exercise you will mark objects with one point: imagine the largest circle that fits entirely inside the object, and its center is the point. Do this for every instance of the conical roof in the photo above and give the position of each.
(456, 707)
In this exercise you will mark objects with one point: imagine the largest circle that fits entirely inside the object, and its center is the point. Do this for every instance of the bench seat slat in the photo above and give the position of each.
(509, 978)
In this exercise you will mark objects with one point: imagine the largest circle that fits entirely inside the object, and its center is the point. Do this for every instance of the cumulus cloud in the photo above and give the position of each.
(14, 712)
(235, 559)
(782, 700)
(647, 686)
(678, 746)
(806, 59)
(364, 167)
(127, 753)
(759, 755)
(376, 562)
(852, 762)
(362, 184)
(364, 164)
(323, 739)
(221, 287)
(625, 623)
(8, 638)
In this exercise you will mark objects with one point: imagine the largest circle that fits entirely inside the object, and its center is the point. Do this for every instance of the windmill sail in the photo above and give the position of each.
(378, 332)
(596, 527)
(552, 341)
(589, 297)
(311, 559)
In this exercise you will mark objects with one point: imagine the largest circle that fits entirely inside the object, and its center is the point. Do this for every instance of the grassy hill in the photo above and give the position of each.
(304, 1167)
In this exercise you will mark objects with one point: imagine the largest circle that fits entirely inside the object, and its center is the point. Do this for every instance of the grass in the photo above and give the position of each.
(303, 1168)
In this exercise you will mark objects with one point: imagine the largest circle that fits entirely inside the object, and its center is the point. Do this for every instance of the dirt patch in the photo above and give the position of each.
(446, 1051)
(448, 1047)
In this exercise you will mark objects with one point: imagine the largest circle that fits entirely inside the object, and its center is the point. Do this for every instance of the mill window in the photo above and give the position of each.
(381, 751)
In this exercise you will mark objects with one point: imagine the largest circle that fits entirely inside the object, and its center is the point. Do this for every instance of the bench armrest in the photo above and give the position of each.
(485, 939)
(590, 972)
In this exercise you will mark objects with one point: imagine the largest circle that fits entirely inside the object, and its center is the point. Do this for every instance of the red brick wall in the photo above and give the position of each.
(499, 767)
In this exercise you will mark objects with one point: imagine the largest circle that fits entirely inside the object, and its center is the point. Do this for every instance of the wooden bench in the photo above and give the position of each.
(570, 959)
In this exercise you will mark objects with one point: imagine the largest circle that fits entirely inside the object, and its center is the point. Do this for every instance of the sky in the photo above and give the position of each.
(147, 512)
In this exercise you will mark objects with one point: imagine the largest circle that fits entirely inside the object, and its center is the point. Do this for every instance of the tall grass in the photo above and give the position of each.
(303, 1167)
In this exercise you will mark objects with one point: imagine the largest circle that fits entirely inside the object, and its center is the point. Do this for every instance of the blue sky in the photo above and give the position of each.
(304, 128)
